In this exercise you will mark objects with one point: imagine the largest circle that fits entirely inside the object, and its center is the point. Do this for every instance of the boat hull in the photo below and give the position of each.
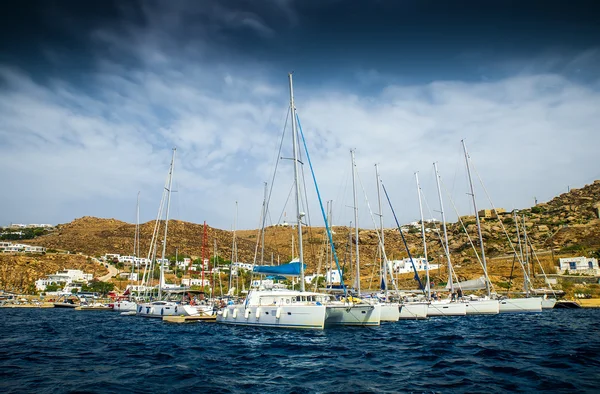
(283, 316)
(125, 306)
(446, 309)
(390, 312)
(159, 310)
(515, 305)
(548, 303)
(413, 311)
(353, 315)
(482, 307)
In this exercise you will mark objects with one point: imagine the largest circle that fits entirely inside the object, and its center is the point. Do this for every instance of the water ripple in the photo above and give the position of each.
(63, 351)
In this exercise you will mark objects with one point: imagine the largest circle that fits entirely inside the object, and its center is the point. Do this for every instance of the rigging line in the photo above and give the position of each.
(286, 202)
(500, 221)
(335, 256)
(444, 246)
(381, 244)
(277, 160)
(540, 264)
(421, 287)
(467, 233)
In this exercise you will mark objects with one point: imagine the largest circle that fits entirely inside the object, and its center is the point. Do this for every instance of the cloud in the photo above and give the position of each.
(73, 147)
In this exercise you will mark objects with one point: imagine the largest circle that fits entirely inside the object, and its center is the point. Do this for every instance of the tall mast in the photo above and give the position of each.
(423, 235)
(526, 254)
(233, 247)
(516, 218)
(487, 281)
(264, 214)
(203, 255)
(446, 248)
(299, 215)
(355, 222)
(383, 259)
(136, 238)
(164, 248)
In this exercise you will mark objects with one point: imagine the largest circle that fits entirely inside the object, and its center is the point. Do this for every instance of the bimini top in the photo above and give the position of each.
(289, 269)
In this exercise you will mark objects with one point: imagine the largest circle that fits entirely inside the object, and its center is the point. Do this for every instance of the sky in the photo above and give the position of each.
(95, 94)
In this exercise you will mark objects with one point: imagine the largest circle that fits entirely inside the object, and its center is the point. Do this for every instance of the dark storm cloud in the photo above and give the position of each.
(421, 40)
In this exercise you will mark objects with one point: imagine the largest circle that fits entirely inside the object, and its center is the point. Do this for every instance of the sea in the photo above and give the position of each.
(67, 351)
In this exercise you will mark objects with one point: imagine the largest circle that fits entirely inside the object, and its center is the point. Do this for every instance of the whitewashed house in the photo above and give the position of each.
(579, 265)
(195, 282)
(65, 276)
(405, 266)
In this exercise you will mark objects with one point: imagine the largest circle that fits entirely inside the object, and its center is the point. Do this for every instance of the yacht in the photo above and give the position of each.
(278, 308)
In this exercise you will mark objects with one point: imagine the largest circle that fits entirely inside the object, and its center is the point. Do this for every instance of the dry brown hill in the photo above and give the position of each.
(19, 272)
(568, 222)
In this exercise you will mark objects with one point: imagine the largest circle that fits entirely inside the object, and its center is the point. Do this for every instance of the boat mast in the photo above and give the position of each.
(383, 257)
(423, 235)
(516, 219)
(487, 281)
(527, 263)
(136, 239)
(446, 248)
(164, 248)
(355, 223)
(299, 215)
(264, 214)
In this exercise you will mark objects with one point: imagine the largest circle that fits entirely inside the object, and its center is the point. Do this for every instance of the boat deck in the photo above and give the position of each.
(189, 319)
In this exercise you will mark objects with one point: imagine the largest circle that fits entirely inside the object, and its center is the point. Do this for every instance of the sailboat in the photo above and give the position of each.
(447, 307)
(165, 307)
(528, 304)
(352, 311)
(282, 308)
(125, 303)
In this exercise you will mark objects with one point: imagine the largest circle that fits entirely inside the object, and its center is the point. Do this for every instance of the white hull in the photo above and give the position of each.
(283, 316)
(160, 309)
(482, 307)
(353, 315)
(533, 304)
(199, 310)
(548, 303)
(390, 312)
(125, 306)
(437, 308)
(413, 311)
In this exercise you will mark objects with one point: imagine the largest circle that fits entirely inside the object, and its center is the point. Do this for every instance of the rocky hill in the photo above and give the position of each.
(19, 272)
(568, 223)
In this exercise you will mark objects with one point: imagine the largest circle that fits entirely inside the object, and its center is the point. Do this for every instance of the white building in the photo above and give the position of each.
(405, 266)
(580, 265)
(65, 276)
(195, 282)
(9, 247)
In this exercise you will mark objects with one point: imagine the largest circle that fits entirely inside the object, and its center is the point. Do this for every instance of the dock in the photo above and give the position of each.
(189, 319)
(93, 308)
(589, 302)
(43, 305)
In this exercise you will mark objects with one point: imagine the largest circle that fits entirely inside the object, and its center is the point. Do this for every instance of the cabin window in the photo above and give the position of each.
(287, 300)
(573, 265)
(590, 265)
(293, 299)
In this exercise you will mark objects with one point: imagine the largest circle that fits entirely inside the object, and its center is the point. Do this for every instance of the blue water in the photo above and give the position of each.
(66, 351)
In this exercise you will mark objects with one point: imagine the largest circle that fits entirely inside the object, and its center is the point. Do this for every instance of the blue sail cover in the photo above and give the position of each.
(289, 269)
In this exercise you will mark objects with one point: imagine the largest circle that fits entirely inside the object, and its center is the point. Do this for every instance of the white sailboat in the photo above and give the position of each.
(160, 307)
(447, 307)
(480, 305)
(282, 308)
(505, 304)
(352, 311)
(127, 304)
